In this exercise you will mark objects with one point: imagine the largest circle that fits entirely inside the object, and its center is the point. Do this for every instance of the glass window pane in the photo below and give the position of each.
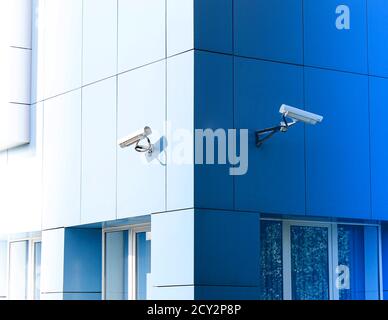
(3, 269)
(309, 263)
(143, 264)
(271, 262)
(116, 265)
(18, 270)
(357, 253)
(37, 261)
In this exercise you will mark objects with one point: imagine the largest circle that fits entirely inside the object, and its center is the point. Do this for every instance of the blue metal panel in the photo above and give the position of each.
(82, 296)
(275, 182)
(379, 151)
(337, 150)
(213, 25)
(214, 110)
(227, 248)
(226, 293)
(327, 46)
(83, 260)
(377, 37)
(269, 29)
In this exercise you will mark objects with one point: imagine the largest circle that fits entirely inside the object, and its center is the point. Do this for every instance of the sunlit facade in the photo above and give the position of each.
(83, 219)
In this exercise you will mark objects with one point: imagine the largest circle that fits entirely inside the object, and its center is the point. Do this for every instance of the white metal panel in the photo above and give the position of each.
(180, 116)
(25, 181)
(99, 152)
(52, 264)
(172, 293)
(172, 252)
(141, 32)
(180, 26)
(19, 75)
(37, 54)
(14, 125)
(62, 160)
(63, 46)
(141, 102)
(20, 24)
(51, 296)
(99, 39)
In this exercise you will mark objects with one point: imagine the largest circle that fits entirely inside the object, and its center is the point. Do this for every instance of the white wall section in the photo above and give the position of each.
(15, 68)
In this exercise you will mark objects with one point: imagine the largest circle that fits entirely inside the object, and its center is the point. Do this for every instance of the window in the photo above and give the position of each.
(116, 265)
(127, 263)
(358, 262)
(319, 261)
(271, 262)
(24, 259)
(143, 263)
(18, 270)
(37, 253)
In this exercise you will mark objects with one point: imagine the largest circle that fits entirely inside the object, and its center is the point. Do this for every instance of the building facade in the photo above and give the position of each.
(302, 217)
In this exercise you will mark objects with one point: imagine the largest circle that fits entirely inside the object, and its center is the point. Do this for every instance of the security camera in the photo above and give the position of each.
(287, 112)
(136, 138)
(300, 115)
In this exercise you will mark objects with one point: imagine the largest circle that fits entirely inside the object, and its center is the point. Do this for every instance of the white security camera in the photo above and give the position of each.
(136, 138)
(300, 115)
(287, 112)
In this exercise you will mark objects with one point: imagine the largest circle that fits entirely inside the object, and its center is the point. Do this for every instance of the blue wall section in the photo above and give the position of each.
(334, 169)
(275, 182)
(83, 261)
(325, 45)
(377, 37)
(337, 150)
(214, 110)
(82, 296)
(213, 25)
(226, 293)
(269, 29)
(235, 246)
(189, 246)
(379, 146)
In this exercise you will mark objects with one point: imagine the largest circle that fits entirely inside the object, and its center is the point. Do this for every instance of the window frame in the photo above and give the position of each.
(132, 230)
(333, 252)
(30, 285)
(31, 274)
(286, 246)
